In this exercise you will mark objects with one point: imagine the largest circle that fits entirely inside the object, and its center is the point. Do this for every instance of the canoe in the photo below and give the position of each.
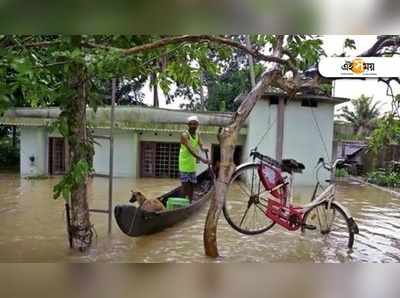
(134, 221)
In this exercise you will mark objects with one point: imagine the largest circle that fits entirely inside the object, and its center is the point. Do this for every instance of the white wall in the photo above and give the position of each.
(301, 137)
(125, 155)
(261, 119)
(33, 143)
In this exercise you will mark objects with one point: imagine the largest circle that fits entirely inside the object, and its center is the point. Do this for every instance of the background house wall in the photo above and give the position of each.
(33, 143)
(301, 139)
(261, 119)
(126, 155)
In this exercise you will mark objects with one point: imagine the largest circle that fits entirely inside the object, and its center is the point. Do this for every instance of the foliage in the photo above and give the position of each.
(70, 180)
(364, 116)
(305, 50)
(223, 90)
(387, 132)
(230, 77)
(342, 172)
(209, 60)
(385, 178)
(388, 128)
(128, 91)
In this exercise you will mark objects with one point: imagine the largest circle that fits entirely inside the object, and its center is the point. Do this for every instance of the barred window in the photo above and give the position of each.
(159, 159)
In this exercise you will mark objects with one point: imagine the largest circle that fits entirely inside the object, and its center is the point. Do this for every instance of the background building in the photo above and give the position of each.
(146, 140)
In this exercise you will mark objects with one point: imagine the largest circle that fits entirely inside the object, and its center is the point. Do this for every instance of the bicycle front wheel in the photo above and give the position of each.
(330, 222)
(246, 202)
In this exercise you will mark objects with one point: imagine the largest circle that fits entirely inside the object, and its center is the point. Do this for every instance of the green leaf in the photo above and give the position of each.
(66, 193)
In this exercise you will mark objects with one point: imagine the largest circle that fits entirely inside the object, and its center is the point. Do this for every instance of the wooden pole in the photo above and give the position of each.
(110, 181)
(68, 218)
(280, 127)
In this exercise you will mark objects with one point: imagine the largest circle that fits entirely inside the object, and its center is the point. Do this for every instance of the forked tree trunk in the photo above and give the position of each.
(227, 140)
(78, 148)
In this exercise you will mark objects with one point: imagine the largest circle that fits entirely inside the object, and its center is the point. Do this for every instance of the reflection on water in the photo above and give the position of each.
(32, 229)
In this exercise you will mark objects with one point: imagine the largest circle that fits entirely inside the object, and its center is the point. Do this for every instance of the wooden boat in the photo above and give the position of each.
(134, 221)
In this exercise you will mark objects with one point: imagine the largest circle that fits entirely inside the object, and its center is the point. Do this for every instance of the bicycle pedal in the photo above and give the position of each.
(309, 227)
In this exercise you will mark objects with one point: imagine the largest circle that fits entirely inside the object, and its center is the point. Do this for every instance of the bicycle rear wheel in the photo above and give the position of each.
(332, 223)
(246, 202)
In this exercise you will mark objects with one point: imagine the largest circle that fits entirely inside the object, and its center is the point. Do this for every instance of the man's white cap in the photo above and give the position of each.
(193, 118)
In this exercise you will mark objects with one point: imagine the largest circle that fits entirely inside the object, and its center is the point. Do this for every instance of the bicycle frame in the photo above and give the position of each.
(280, 207)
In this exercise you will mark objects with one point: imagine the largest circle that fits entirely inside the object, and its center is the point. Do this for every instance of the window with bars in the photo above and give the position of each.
(56, 156)
(159, 159)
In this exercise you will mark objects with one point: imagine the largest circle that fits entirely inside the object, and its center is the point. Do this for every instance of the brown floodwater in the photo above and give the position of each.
(32, 228)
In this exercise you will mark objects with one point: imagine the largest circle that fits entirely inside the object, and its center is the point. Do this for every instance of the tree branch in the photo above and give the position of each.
(271, 74)
(193, 39)
(42, 44)
(382, 42)
(13, 44)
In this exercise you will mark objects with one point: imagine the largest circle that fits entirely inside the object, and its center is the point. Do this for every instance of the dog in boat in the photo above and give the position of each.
(149, 205)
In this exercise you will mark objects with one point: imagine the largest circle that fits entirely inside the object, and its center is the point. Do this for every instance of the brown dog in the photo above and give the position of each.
(149, 205)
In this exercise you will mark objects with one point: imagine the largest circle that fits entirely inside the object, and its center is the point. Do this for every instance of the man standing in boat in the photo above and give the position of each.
(189, 155)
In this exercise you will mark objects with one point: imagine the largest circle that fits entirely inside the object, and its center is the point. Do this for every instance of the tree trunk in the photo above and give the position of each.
(78, 148)
(227, 140)
(155, 89)
(226, 168)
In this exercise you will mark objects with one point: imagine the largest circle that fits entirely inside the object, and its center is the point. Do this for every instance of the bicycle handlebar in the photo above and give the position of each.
(328, 166)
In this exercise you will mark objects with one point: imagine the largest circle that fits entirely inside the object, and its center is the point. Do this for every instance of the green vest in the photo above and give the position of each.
(187, 162)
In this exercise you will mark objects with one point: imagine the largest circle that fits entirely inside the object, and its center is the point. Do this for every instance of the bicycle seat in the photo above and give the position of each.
(266, 159)
(291, 165)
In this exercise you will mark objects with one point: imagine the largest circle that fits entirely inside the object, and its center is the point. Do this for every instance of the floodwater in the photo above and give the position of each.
(32, 228)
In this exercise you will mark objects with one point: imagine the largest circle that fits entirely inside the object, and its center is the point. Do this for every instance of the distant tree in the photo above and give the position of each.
(129, 91)
(231, 79)
(388, 127)
(364, 116)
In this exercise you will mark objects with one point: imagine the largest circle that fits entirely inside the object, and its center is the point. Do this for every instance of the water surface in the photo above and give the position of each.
(32, 228)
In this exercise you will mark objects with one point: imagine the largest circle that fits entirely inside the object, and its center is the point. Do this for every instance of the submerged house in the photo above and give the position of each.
(146, 140)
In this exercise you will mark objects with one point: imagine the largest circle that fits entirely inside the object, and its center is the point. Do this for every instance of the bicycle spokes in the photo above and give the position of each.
(246, 202)
(331, 223)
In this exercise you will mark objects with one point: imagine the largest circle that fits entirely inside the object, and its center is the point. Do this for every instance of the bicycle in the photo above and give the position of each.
(269, 198)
